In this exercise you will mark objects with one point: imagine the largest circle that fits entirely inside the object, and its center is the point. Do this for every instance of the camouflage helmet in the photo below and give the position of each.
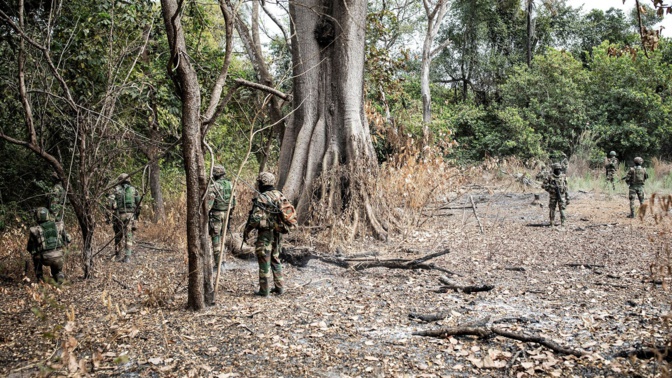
(612, 154)
(123, 177)
(42, 215)
(555, 166)
(266, 178)
(218, 170)
(638, 160)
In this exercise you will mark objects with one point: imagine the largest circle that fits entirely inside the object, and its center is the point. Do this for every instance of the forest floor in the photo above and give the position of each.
(334, 322)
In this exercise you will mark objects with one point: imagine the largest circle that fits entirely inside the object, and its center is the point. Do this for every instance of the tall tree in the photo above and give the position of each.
(435, 12)
(328, 129)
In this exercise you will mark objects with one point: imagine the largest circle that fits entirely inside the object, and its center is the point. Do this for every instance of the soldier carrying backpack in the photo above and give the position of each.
(220, 193)
(123, 207)
(271, 215)
(635, 179)
(45, 244)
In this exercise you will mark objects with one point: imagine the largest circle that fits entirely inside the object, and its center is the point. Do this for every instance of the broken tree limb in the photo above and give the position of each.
(473, 207)
(588, 266)
(481, 332)
(539, 340)
(450, 285)
(430, 317)
(301, 256)
(489, 332)
(662, 352)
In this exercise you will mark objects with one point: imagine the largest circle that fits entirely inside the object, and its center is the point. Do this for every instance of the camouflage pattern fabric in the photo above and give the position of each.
(611, 167)
(267, 249)
(123, 220)
(635, 178)
(123, 226)
(554, 201)
(215, 229)
(56, 199)
(218, 201)
(53, 258)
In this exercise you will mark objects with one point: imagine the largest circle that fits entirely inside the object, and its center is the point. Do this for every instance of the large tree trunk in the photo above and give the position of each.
(328, 128)
(187, 81)
(157, 193)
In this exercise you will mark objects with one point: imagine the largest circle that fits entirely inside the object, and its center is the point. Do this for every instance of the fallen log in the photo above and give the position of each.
(483, 332)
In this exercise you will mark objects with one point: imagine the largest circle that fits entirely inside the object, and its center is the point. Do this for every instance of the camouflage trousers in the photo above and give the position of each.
(554, 202)
(610, 178)
(123, 225)
(635, 191)
(267, 249)
(54, 260)
(216, 231)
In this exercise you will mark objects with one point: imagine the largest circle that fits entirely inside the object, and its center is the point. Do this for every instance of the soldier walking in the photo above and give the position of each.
(264, 217)
(635, 178)
(45, 245)
(123, 207)
(56, 199)
(556, 186)
(611, 166)
(220, 192)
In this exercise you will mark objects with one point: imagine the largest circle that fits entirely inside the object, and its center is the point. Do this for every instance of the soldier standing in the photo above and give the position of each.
(635, 178)
(123, 206)
(611, 167)
(56, 199)
(220, 192)
(45, 244)
(264, 217)
(556, 186)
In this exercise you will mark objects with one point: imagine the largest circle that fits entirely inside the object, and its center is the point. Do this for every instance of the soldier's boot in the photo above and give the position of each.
(278, 279)
(562, 217)
(127, 256)
(632, 211)
(263, 287)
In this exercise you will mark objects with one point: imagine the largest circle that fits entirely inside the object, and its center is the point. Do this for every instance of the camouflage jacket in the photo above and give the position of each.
(56, 198)
(219, 194)
(636, 176)
(117, 201)
(37, 240)
(553, 181)
(611, 165)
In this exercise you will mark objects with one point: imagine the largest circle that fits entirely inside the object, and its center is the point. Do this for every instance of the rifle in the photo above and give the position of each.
(136, 213)
(557, 190)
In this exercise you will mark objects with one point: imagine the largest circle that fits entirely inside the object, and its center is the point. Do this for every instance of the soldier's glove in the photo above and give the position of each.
(246, 235)
(567, 203)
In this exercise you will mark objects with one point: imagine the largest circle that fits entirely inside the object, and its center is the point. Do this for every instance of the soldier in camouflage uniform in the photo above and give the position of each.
(611, 167)
(220, 192)
(45, 244)
(556, 186)
(264, 217)
(635, 178)
(123, 207)
(56, 199)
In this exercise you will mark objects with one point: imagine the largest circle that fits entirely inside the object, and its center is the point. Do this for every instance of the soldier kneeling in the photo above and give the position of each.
(45, 244)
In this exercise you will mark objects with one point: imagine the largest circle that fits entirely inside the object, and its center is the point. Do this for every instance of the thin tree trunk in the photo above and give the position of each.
(529, 32)
(155, 189)
(192, 152)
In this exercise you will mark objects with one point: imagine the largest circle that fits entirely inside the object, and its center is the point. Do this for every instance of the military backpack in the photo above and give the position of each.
(638, 176)
(126, 199)
(223, 196)
(47, 236)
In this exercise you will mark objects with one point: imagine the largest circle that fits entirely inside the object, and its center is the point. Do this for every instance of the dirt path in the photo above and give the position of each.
(334, 322)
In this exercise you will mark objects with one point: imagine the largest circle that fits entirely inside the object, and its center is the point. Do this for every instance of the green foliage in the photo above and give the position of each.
(630, 101)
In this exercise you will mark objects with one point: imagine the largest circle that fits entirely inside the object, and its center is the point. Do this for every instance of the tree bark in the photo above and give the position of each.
(192, 151)
(328, 128)
(435, 14)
